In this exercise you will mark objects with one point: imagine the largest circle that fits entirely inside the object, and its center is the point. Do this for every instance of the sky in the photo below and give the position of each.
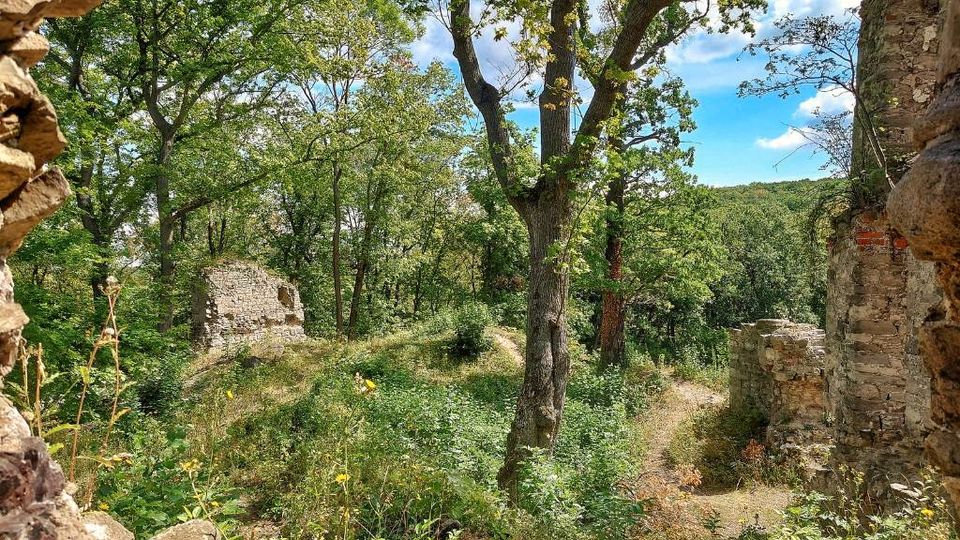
(737, 140)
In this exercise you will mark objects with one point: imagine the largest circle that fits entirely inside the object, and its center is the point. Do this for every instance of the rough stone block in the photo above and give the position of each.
(239, 302)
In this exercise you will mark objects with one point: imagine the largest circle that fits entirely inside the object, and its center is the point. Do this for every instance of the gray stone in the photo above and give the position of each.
(196, 529)
(238, 303)
(102, 526)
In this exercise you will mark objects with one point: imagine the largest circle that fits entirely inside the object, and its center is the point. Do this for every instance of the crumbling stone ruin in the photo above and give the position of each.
(777, 368)
(878, 293)
(925, 207)
(878, 296)
(240, 302)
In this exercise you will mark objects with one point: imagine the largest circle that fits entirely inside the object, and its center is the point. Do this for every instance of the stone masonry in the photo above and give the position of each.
(925, 207)
(879, 391)
(897, 58)
(240, 302)
(777, 368)
(878, 293)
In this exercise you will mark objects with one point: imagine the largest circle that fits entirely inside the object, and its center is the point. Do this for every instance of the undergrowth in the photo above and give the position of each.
(384, 439)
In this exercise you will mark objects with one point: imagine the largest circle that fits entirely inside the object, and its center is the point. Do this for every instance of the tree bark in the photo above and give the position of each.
(358, 281)
(546, 360)
(613, 304)
(335, 256)
(167, 226)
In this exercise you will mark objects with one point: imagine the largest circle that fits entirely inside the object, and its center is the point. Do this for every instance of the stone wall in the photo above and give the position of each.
(879, 391)
(33, 501)
(897, 59)
(925, 206)
(240, 302)
(777, 367)
(878, 293)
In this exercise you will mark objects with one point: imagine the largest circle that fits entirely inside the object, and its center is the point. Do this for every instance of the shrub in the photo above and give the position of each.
(469, 323)
(713, 442)
(162, 481)
(922, 513)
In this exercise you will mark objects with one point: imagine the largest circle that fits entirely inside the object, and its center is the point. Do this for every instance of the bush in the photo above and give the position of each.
(163, 481)
(713, 441)
(469, 324)
(922, 513)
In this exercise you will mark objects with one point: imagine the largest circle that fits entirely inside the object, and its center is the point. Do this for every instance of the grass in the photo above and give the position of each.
(393, 438)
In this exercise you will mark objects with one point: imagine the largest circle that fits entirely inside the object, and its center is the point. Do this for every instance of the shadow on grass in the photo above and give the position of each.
(497, 390)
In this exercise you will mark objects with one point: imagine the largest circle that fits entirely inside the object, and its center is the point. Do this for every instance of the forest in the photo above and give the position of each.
(513, 329)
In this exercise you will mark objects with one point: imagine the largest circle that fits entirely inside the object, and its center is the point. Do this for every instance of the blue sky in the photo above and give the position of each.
(738, 140)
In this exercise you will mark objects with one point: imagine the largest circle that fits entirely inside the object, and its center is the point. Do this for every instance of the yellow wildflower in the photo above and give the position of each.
(371, 386)
(927, 513)
(103, 506)
(229, 394)
(342, 478)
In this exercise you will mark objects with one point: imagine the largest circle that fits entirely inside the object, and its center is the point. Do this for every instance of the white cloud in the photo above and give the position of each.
(802, 8)
(434, 45)
(832, 100)
(703, 48)
(791, 139)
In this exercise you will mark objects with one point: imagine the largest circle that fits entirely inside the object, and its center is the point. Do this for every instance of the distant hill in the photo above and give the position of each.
(799, 196)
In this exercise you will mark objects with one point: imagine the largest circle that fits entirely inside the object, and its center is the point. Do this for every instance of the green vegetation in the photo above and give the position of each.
(488, 326)
(382, 439)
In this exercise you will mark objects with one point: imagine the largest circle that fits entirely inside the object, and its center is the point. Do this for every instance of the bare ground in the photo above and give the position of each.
(681, 506)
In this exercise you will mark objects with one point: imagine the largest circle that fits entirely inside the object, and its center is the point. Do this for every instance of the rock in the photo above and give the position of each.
(196, 529)
(29, 206)
(102, 526)
(777, 368)
(28, 50)
(239, 304)
(34, 503)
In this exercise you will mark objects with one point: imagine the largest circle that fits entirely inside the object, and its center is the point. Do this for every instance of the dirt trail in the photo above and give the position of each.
(682, 401)
(508, 343)
(733, 509)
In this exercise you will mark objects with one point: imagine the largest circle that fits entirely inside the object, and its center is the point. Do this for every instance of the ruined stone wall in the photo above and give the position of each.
(879, 391)
(878, 293)
(925, 207)
(240, 302)
(777, 367)
(897, 60)
(33, 501)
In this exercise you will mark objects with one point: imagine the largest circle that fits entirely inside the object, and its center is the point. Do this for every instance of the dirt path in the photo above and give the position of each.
(732, 509)
(508, 343)
(682, 400)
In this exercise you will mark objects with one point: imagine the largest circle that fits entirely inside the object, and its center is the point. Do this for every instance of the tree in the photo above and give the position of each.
(348, 45)
(646, 177)
(198, 65)
(105, 161)
(820, 52)
(544, 199)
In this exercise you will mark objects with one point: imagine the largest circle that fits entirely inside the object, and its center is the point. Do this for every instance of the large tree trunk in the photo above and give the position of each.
(335, 257)
(614, 305)
(547, 361)
(167, 226)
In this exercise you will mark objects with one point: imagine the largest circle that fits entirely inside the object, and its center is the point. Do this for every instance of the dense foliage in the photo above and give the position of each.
(308, 140)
